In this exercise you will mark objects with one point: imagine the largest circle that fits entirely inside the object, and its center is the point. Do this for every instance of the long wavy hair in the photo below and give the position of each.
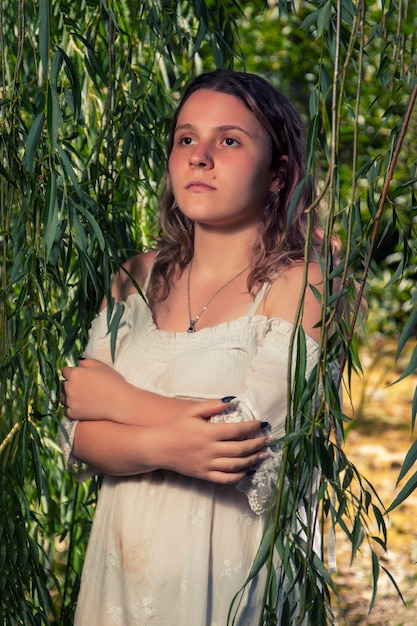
(283, 226)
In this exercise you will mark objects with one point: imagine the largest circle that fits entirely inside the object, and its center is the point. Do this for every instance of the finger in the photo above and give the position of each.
(239, 430)
(224, 478)
(230, 478)
(244, 448)
(231, 465)
(207, 408)
(66, 372)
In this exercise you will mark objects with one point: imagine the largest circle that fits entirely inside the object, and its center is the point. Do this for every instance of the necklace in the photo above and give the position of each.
(193, 321)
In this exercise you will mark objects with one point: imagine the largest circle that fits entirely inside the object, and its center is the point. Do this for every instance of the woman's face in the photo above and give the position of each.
(220, 163)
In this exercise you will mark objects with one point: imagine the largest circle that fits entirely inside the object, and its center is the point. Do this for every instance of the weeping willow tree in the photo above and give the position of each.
(357, 61)
(87, 91)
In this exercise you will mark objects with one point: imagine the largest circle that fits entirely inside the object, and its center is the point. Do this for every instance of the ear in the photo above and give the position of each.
(279, 174)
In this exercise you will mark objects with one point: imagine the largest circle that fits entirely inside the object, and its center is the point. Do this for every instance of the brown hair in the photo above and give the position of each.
(284, 221)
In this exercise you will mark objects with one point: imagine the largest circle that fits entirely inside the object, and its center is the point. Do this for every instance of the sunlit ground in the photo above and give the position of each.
(377, 443)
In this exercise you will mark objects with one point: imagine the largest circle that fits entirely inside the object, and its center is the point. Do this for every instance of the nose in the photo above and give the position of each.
(201, 157)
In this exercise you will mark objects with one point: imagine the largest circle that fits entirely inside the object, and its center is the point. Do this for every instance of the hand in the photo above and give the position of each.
(92, 391)
(193, 446)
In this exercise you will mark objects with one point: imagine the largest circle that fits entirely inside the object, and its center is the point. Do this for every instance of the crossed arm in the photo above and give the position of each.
(124, 430)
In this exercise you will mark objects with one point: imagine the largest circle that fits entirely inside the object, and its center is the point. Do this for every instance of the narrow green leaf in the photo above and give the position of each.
(310, 19)
(53, 112)
(74, 79)
(33, 140)
(323, 18)
(294, 201)
(36, 459)
(407, 332)
(79, 236)
(375, 576)
(51, 214)
(68, 168)
(404, 493)
(44, 34)
(409, 461)
(113, 328)
(313, 131)
(411, 367)
(263, 552)
(390, 576)
(300, 370)
(96, 228)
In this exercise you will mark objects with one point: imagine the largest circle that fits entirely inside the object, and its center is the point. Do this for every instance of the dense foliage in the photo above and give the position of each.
(87, 90)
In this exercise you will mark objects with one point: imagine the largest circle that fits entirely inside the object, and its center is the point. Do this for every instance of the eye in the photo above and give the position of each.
(185, 141)
(230, 141)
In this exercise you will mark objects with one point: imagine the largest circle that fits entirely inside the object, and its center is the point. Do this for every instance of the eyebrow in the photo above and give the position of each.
(224, 128)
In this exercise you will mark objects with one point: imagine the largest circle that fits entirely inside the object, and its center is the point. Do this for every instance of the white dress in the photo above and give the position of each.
(169, 550)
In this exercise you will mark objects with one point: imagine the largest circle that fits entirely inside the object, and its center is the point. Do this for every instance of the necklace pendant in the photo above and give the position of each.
(191, 327)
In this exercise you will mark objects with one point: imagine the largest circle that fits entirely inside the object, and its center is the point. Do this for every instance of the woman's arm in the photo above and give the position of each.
(95, 391)
(124, 430)
(187, 443)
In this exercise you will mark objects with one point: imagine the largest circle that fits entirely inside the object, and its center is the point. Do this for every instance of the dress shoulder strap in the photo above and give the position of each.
(258, 299)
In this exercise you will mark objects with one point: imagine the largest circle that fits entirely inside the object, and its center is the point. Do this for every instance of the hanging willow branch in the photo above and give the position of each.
(379, 213)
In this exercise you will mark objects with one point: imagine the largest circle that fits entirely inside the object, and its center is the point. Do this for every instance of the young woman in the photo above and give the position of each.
(188, 478)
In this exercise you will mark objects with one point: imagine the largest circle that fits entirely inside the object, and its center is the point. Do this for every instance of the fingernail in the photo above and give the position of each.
(227, 399)
(265, 424)
(263, 455)
(81, 358)
(251, 471)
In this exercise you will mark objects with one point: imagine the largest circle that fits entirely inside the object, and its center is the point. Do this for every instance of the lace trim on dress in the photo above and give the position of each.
(66, 434)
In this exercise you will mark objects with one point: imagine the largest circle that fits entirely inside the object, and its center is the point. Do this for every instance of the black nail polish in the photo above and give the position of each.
(227, 399)
(251, 471)
(265, 424)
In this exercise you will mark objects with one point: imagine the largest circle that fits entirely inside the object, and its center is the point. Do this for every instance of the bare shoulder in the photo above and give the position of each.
(295, 273)
(284, 296)
(134, 271)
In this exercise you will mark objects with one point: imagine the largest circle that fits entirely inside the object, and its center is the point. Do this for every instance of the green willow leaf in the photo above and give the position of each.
(35, 446)
(408, 488)
(411, 367)
(398, 590)
(53, 112)
(113, 328)
(93, 222)
(74, 79)
(33, 140)
(44, 34)
(260, 560)
(51, 214)
(300, 369)
(410, 459)
(375, 576)
(407, 332)
(323, 17)
(68, 169)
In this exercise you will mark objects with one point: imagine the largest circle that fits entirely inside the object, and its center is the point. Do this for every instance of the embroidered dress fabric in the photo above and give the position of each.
(165, 549)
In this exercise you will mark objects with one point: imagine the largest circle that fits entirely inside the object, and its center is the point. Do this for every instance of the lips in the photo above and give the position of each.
(199, 185)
